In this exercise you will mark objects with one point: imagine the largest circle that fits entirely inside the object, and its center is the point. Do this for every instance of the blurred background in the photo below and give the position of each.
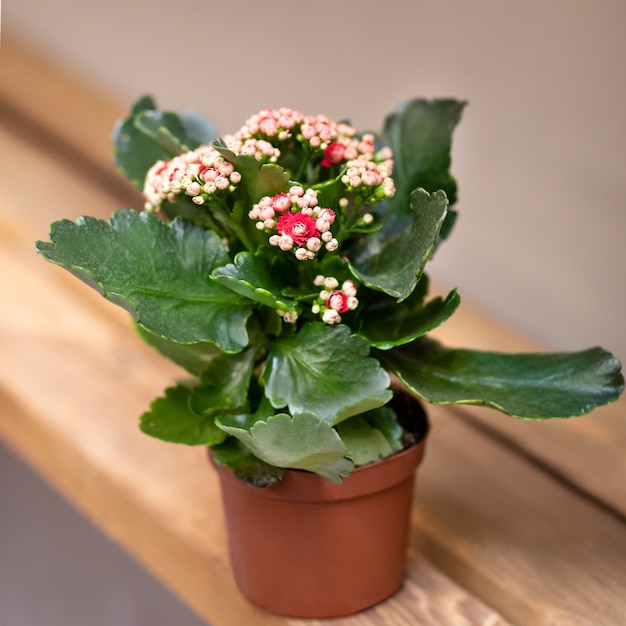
(539, 156)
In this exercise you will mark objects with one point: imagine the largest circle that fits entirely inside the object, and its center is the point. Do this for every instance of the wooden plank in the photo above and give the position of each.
(539, 553)
(57, 105)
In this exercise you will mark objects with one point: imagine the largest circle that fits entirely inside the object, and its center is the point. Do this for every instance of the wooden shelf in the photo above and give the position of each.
(513, 523)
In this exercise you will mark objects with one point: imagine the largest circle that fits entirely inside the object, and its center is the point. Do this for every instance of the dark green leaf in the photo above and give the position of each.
(171, 419)
(387, 323)
(198, 130)
(532, 386)
(251, 276)
(324, 370)
(393, 260)
(134, 152)
(224, 383)
(165, 129)
(192, 357)
(159, 272)
(299, 442)
(148, 135)
(420, 134)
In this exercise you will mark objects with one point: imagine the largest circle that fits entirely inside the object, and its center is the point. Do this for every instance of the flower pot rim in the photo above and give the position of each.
(301, 485)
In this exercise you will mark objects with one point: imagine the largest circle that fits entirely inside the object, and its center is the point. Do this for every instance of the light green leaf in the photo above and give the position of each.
(393, 259)
(324, 370)
(171, 419)
(300, 442)
(371, 436)
(245, 465)
(531, 386)
(251, 276)
(159, 272)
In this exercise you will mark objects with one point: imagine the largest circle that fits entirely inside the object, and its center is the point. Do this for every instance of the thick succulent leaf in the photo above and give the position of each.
(371, 436)
(420, 134)
(386, 323)
(224, 383)
(531, 386)
(300, 442)
(324, 370)
(251, 276)
(393, 260)
(245, 465)
(385, 420)
(164, 128)
(148, 135)
(364, 443)
(159, 272)
(198, 130)
(258, 179)
(171, 419)
(192, 357)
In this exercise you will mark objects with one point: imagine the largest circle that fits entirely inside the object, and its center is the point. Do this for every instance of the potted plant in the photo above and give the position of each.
(283, 268)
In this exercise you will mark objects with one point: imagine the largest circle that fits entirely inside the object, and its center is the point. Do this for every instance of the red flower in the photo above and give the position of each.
(333, 154)
(338, 301)
(297, 226)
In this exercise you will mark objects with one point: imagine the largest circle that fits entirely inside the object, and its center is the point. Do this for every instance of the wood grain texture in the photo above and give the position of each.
(538, 552)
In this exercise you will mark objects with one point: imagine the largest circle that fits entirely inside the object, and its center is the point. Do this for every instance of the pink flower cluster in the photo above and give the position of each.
(338, 144)
(198, 174)
(370, 170)
(296, 221)
(332, 301)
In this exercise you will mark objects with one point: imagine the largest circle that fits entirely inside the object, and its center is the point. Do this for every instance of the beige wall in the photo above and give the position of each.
(539, 156)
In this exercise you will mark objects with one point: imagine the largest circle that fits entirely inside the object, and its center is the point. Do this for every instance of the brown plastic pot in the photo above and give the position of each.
(307, 548)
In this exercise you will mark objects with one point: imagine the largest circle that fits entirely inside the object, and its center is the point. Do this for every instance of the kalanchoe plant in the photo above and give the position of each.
(283, 267)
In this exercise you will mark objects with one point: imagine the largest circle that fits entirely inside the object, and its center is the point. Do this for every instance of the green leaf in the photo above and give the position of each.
(198, 130)
(393, 260)
(163, 128)
(531, 386)
(245, 465)
(171, 419)
(159, 272)
(258, 179)
(192, 357)
(324, 370)
(387, 323)
(252, 276)
(224, 383)
(148, 135)
(420, 134)
(300, 442)
(371, 436)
